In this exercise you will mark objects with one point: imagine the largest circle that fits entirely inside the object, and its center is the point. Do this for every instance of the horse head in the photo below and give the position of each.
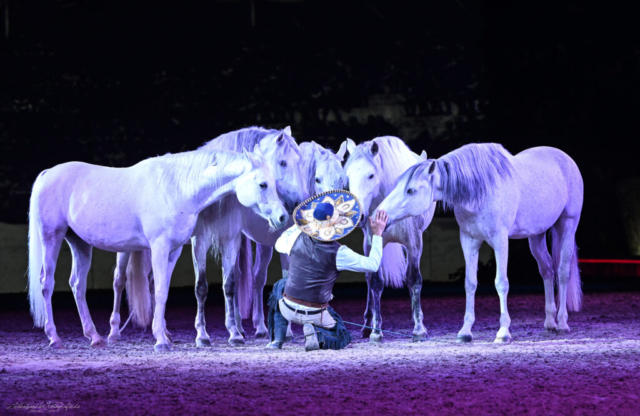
(256, 189)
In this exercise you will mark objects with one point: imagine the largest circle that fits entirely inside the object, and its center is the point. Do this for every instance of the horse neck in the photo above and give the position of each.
(216, 187)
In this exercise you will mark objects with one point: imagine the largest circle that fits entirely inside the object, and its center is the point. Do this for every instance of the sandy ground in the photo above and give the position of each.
(593, 370)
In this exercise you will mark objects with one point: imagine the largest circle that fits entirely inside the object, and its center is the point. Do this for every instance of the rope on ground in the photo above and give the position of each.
(397, 333)
(126, 323)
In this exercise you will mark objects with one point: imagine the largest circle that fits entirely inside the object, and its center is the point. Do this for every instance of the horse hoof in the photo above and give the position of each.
(563, 331)
(261, 334)
(419, 337)
(551, 330)
(113, 339)
(161, 347)
(100, 343)
(236, 342)
(375, 338)
(503, 340)
(203, 342)
(289, 338)
(464, 339)
(56, 345)
(366, 332)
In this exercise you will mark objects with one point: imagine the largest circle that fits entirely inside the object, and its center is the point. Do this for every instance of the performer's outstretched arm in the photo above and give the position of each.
(347, 259)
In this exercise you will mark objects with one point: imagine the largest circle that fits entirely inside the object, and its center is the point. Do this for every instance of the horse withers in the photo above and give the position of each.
(496, 196)
(153, 205)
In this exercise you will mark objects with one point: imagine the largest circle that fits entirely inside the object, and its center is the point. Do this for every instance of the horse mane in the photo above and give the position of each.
(237, 140)
(183, 170)
(392, 159)
(469, 173)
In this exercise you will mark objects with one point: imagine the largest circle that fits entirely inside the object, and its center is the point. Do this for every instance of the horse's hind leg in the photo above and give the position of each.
(119, 281)
(566, 230)
(376, 286)
(263, 258)
(199, 248)
(414, 283)
(81, 252)
(52, 241)
(471, 249)
(229, 256)
(538, 246)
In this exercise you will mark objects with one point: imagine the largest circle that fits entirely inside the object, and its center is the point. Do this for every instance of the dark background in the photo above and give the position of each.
(113, 82)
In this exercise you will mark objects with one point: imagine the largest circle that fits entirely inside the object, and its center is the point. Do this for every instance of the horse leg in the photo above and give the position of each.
(377, 285)
(163, 261)
(566, 230)
(414, 283)
(263, 258)
(199, 248)
(229, 256)
(538, 246)
(284, 262)
(81, 254)
(119, 280)
(368, 312)
(51, 243)
(471, 250)
(500, 244)
(237, 313)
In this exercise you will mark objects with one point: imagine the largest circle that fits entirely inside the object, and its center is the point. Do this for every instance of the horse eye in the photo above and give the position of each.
(283, 164)
(411, 191)
(318, 180)
(371, 176)
(263, 185)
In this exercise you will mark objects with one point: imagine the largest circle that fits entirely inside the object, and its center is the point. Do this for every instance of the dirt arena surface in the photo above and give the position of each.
(595, 370)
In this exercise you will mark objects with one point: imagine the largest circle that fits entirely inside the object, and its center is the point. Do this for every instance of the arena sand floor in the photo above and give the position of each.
(592, 371)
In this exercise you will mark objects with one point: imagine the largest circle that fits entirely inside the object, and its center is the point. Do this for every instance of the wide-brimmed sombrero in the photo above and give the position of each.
(328, 216)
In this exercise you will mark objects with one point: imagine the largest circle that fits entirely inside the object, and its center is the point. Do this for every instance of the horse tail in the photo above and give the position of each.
(574, 288)
(393, 267)
(138, 293)
(243, 276)
(36, 298)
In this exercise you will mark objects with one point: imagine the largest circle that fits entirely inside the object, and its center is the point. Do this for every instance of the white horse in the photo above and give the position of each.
(496, 196)
(322, 168)
(222, 227)
(372, 168)
(153, 205)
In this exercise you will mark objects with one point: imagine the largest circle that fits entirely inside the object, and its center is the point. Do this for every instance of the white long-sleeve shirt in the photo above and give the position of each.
(346, 259)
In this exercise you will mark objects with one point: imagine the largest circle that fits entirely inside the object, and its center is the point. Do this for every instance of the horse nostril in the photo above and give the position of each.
(282, 218)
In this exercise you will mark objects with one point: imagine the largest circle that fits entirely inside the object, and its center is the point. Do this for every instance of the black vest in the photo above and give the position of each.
(312, 269)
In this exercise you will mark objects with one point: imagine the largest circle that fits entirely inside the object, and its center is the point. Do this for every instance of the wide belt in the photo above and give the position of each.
(305, 303)
(301, 312)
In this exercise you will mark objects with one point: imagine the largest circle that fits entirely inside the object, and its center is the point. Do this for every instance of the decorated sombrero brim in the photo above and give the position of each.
(346, 214)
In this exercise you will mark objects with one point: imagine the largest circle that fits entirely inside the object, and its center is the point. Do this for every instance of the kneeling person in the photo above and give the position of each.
(316, 260)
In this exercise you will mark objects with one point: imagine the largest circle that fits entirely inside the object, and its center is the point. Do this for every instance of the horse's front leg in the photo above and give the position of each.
(471, 250)
(376, 286)
(229, 255)
(414, 283)
(163, 261)
(500, 244)
(263, 258)
(119, 281)
(368, 311)
(199, 248)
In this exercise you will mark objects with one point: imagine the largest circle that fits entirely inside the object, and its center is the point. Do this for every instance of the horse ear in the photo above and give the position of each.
(251, 157)
(374, 148)
(342, 151)
(287, 130)
(351, 146)
(423, 157)
(257, 150)
(316, 148)
(280, 138)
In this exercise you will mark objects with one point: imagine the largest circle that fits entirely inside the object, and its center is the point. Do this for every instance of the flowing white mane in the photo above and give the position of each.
(468, 173)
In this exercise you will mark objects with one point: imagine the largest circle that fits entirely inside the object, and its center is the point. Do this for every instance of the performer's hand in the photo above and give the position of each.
(379, 222)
